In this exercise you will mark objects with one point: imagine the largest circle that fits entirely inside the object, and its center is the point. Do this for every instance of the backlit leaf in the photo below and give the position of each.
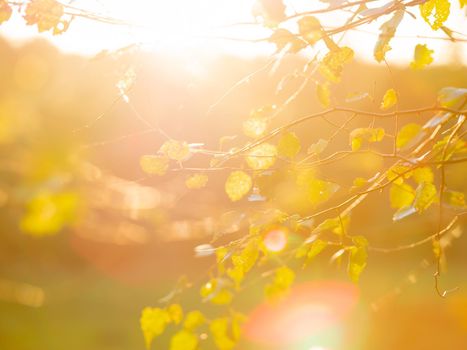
(315, 248)
(154, 165)
(219, 328)
(318, 147)
(449, 96)
(193, 320)
(184, 340)
(176, 150)
(5, 11)
(423, 174)
(358, 258)
(444, 151)
(215, 292)
(238, 184)
(46, 14)
(359, 182)
(360, 136)
(387, 31)
(282, 38)
(436, 246)
(404, 212)
(153, 322)
(333, 63)
(175, 312)
(337, 225)
(356, 96)
(283, 279)
(401, 195)
(255, 127)
(435, 12)
(48, 213)
(289, 145)
(422, 57)
(398, 172)
(262, 156)
(196, 181)
(454, 199)
(310, 29)
(406, 134)
(425, 196)
(324, 94)
(389, 99)
(320, 190)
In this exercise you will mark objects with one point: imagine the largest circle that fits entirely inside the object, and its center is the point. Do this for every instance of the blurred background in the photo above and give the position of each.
(87, 239)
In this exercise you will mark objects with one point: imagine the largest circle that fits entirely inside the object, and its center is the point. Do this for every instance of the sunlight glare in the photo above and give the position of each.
(308, 310)
(275, 240)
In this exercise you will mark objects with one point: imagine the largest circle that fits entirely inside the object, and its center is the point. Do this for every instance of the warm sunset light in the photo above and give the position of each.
(309, 309)
(233, 174)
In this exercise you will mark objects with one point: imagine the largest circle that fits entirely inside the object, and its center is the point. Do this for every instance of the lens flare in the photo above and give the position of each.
(275, 240)
(309, 309)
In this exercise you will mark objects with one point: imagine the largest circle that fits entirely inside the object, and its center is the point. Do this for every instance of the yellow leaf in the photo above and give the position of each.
(421, 57)
(237, 274)
(46, 14)
(337, 225)
(320, 191)
(425, 195)
(289, 145)
(153, 322)
(389, 99)
(262, 156)
(333, 63)
(435, 12)
(397, 173)
(283, 279)
(423, 174)
(444, 151)
(214, 292)
(219, 328)
(48, 213)
(282, 38)
(449, 96)
(454, 199)
(255, 127)
(387, 31)
(324, 94)
(436, 248)
(406, 134)
(154, 165)
(310, 29)
(462, 3)
(237, 320)
(184, 340)
(361, 135)
(176, 150)
(318, 147)
(244, 262)
(193, 320)
(315, 248)
(196, 181)
(175, 313)
(5, 11)
(401, 195)
(359, 182)
(238, 184)
(358, 258)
